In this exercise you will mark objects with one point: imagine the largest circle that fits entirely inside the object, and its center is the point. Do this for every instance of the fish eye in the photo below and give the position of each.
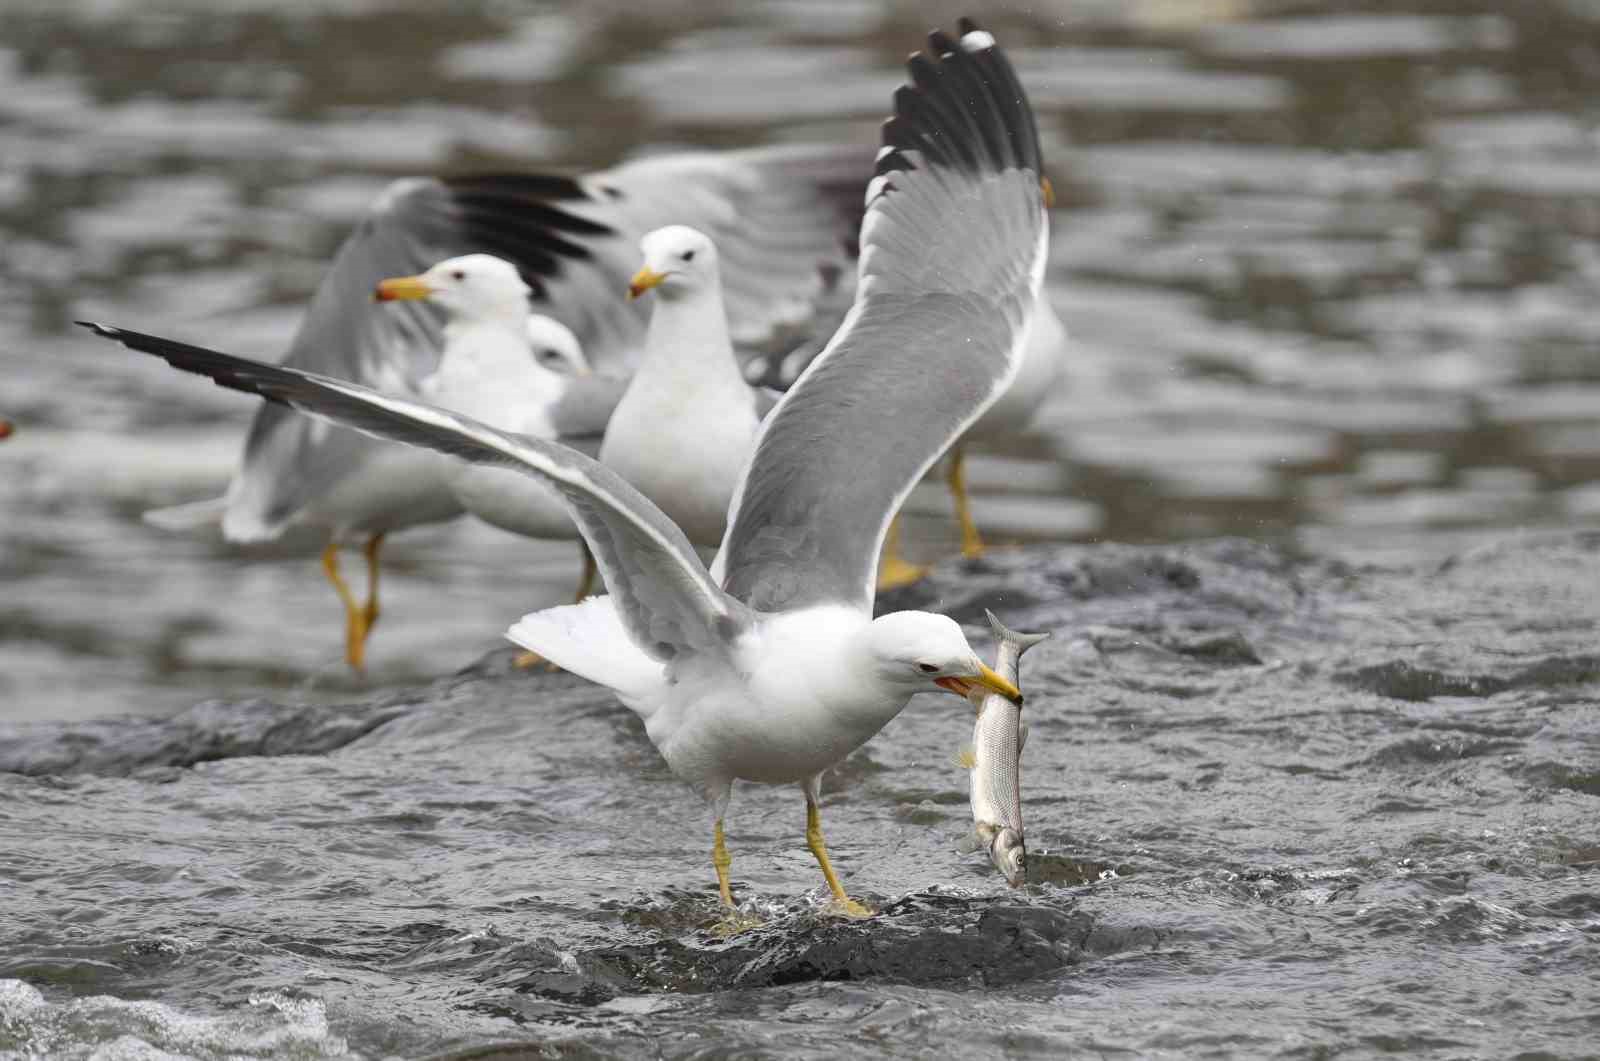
(687, 256)
(927, 668)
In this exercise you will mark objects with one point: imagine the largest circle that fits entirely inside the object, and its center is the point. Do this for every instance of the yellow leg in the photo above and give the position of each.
(367, 618)
(895, 570)
(589, 571)
(971, 540)
(820, 851)
(722, 860)
(352, 611)
(733, 919)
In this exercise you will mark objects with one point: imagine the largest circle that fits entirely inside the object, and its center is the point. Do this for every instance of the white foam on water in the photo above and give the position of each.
(102, 1028)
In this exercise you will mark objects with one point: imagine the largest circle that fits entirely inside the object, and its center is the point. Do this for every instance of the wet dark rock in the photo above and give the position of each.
(208, 731)
(918, 940)
(1401, 680)
(1226, 647)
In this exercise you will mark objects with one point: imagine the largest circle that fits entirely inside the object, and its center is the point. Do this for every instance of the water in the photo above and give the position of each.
(1328, 791)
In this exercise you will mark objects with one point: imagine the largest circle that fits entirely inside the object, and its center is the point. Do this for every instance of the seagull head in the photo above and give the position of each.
(919, 649)
(678, 260)
(471, 287)
(555, 347)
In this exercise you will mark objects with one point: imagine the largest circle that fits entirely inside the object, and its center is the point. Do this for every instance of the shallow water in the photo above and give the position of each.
(1270, 810)
(1329, 281)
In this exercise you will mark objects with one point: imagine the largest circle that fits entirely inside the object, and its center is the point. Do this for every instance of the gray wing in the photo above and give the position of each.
(784, 220)
(585, 406)
(952, 254)
(784, 216)
(667, 601)
(287, 461)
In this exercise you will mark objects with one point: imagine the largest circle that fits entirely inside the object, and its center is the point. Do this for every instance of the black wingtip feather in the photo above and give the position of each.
(962, 109)
(523, 218)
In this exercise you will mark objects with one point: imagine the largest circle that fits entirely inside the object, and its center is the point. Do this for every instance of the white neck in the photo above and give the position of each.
(687, 340)
(825, 651)
(488, 372)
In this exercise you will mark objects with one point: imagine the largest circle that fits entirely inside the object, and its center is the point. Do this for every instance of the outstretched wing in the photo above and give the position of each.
(786, 216)
(952, 255)
(667, 601)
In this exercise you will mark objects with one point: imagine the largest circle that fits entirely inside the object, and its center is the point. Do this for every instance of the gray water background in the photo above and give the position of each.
(1329, 272)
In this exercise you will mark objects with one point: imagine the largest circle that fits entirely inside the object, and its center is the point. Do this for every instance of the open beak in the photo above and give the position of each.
(986, 678)
(644, 280)
(410, 287)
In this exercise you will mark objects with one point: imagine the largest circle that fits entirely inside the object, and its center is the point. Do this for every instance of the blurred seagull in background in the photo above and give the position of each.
(486, 372)
(770, 667)
(683, 432)
(786, 215)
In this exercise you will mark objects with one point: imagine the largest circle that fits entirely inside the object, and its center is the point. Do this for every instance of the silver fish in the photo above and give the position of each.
(994, 763)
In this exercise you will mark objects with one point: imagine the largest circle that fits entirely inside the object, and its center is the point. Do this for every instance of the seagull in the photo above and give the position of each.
(786, 215)
(1043, 363)
(770, 667)
(486, 372)
(685, 428)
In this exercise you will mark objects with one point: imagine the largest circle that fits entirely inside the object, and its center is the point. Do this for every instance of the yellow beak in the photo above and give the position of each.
(986, 678)
(402, 287)
(644, 280)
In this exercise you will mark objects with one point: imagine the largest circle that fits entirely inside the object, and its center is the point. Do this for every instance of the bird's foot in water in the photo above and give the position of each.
(530, 660)
(733, 922)
(842, 907)
(894, 573)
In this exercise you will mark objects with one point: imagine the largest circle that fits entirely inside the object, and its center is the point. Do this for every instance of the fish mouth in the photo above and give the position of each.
(1009, 854)
(986, 678)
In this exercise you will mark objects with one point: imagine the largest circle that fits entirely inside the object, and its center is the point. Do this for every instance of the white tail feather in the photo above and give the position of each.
(192, 516)
(588, 639)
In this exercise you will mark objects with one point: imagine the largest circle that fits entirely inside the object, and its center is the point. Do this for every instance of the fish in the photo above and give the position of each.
(994, 763)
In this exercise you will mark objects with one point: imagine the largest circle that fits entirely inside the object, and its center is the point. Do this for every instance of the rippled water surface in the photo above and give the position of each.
(1313, 770)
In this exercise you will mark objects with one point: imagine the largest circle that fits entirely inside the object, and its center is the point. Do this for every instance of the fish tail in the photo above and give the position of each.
(1022, 641)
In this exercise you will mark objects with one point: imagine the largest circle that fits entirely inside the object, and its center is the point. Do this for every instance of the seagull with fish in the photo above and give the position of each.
(770, 667)
(785, 217)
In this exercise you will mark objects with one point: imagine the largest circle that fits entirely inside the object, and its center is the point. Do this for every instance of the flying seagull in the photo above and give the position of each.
(770, 667)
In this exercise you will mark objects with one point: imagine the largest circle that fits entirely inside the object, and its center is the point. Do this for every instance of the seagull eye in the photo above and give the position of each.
(687, 256)
(458, 274)
(927, 668)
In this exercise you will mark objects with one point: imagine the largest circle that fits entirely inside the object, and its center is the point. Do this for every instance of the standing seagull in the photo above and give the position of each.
(776, 670)
(684, 430)
(513, 370)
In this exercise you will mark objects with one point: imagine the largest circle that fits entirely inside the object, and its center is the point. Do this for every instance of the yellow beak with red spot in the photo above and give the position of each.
(986, 678)
(402, 287)
(644, 280)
